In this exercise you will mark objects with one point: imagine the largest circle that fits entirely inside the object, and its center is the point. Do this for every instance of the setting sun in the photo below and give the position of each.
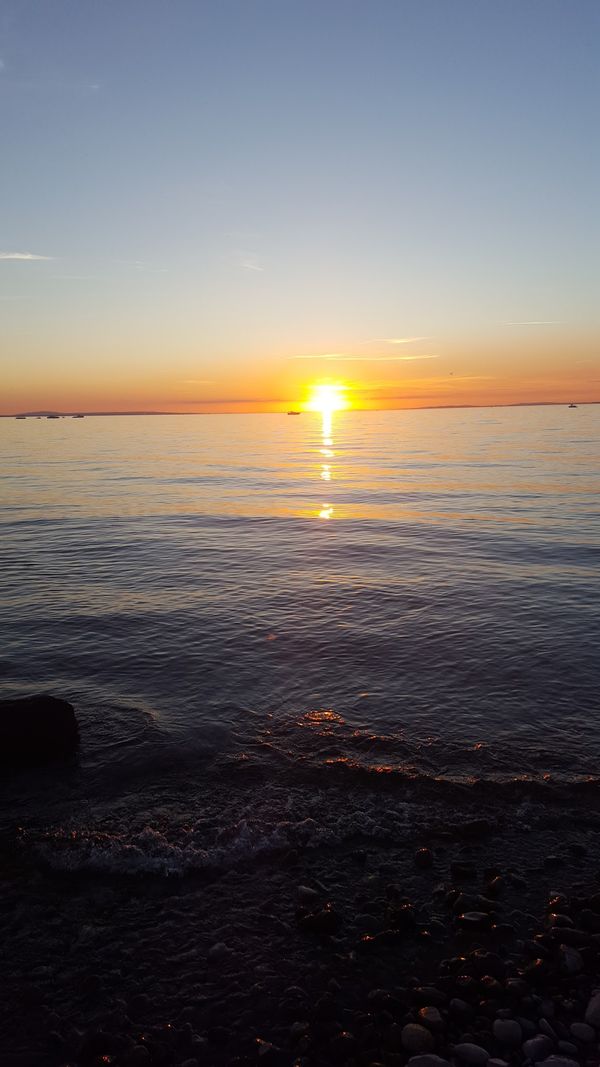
(327, 398)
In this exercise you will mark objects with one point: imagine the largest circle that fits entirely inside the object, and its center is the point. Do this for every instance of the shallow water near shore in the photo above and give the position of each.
(254, 615)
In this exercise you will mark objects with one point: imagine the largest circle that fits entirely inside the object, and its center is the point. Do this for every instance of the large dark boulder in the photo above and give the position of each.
(36, 730)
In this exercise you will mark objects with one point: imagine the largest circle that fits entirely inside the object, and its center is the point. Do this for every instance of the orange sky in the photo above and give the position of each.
(516, 364)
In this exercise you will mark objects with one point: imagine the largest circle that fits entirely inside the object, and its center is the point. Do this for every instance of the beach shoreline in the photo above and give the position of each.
(312, 954)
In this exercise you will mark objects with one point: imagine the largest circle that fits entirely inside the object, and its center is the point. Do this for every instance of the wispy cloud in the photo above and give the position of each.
(536, 322)
(197, 381)
(395, 340)
(22, 255)
(340, 357)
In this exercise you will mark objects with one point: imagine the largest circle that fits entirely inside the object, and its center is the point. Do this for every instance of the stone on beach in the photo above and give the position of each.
(592, 1013)
(427, 1060)
(538, 1048)
(472, 1054)
(508, 1032)
(36, 730)
(416, 1038)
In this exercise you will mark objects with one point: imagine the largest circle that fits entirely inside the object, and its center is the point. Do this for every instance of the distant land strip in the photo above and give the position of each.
(422, 407)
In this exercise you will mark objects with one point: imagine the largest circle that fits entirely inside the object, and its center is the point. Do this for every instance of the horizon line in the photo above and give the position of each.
(417, 407)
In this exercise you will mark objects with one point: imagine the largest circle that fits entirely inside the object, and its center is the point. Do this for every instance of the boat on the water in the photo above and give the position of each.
(78, 416)
(572, 405)
(294, 412)
(53, 416)
(20, 416)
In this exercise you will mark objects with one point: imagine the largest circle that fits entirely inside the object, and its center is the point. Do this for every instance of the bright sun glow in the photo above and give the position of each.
(327, 398)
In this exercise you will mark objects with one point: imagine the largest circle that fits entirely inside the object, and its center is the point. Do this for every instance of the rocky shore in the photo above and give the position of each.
(479, 945)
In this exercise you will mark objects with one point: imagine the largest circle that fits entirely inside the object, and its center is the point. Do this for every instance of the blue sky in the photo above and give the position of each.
(222, 187)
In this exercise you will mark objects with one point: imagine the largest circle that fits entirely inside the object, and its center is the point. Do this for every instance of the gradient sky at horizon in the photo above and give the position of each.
(231, 200)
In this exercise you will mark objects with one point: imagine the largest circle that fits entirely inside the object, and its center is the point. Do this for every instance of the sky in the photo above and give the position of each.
(213, 204)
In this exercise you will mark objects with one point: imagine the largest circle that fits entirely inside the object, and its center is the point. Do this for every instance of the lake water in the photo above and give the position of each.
(247, 610)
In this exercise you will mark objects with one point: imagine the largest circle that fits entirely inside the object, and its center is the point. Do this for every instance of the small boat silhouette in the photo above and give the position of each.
(572, 405)
(294, 412)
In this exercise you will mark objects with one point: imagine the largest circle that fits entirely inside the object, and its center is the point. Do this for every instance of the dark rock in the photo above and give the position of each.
(508, 1032)
(568, 1048)
(583, 1032)
(401, 917)
(426, 1060)
(424, 858)
(417, 1039)
(425, 995)
(463, 871)
(496, 886)
(472, 1054)
(474, 920)
(138, 1056)
(592, 1012)
(431, 1018)
(323, 922)
(36, 730)
(342, 1045)
(538, 1048)
(560, 1061)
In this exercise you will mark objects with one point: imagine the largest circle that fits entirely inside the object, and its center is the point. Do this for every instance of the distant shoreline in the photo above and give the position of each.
(425, 407)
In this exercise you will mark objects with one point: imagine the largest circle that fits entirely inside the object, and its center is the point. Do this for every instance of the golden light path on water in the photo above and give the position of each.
(326, 399)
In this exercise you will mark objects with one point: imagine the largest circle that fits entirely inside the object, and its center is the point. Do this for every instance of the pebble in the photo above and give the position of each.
(298, 1030)
(592, 1012)
(537, 1048)
(307, 895)
(507, 1032)
(431, 1018)
(424, 858)
(218, 952)
(416, 1038)
(427, 1061)
(559, 1061)
(474, 920)
(462, 871)
(583, 1032)
(545, 1028)
(472, 1054)
(324, 922)
(570, 959)
(568, 1048)
(460, 1008)
(137, 1057)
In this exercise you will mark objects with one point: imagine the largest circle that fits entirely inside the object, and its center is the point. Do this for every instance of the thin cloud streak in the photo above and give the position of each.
(338, 357)
(22, 255)
(396, 340)
(536, 322)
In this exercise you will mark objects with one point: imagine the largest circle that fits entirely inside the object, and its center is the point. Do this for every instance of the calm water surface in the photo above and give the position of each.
(408, 593)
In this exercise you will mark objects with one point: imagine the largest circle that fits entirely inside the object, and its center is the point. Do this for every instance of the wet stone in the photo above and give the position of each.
(559, 1061)
(474, 1055)
(474, 920)
(538, 1048)
(431, 1018)
(427, 1061)
(592, 1012)
(583, 1032)
(568, 1048)
(417, 1038)
(463, 871)
(507, 1032)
